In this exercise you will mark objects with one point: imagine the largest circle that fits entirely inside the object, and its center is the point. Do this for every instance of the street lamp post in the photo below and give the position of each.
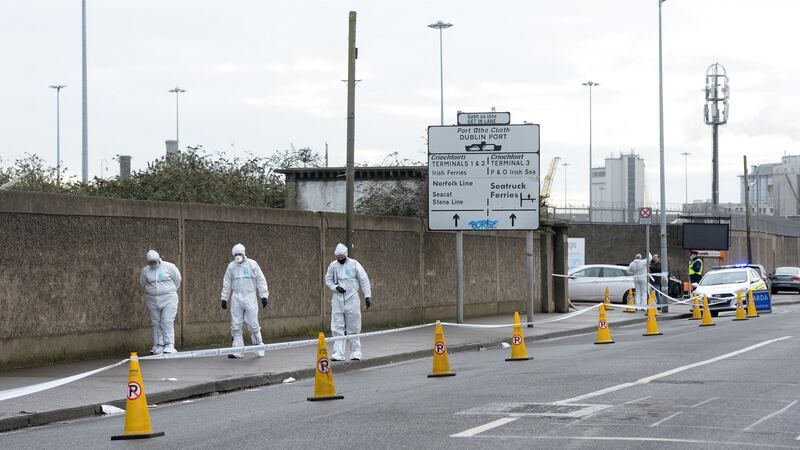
(85, 112)
(565, 184)
(439, 25)
(663, 215)
(58, 88)
(177, 91)
(591, 84)
(686, 177)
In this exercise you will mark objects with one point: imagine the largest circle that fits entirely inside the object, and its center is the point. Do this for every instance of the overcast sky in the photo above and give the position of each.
(260, 75)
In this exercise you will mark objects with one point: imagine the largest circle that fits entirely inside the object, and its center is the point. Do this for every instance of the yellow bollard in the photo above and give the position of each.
(707, 320)
(603, 331)
(324, 387)
(137, 417)
(518, 350)
(651, 329)
(697, 311)
(751, 306)
(441, 362)
(741, 314)
(607, 299)
(630, 308)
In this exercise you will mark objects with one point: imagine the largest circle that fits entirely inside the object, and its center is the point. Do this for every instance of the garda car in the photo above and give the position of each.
(722, 285)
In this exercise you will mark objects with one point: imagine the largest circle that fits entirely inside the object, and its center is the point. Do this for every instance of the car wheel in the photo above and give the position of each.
(774, 291)
(714, 313)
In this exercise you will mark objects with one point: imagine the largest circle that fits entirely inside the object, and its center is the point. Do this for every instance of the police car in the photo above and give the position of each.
(722, 285)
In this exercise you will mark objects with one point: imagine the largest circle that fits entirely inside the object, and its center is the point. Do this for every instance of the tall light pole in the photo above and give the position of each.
(177, 91)
(439, 25)
(58, 88)
(686, 177)
(663, 216)
(85, 115)
(565, 184)
(591, 84)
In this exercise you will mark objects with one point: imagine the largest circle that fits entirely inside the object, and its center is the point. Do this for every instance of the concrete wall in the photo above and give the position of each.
(69, 271)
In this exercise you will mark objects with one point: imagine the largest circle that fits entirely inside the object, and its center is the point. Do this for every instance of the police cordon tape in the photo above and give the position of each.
(34, 388)
(687, 302)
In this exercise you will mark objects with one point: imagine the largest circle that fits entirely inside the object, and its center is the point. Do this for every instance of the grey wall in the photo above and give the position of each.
(69, 271)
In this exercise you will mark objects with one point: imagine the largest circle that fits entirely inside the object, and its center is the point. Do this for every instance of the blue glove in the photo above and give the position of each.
(340, 289)
(263, 302)
(224, 304)
(368, 302)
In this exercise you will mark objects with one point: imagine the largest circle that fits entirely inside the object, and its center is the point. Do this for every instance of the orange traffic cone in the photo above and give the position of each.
(630, 308)
(137, 417)
(751, 306)
(324, 387)
(607, 299)
(741, 314)
(518, 351)
(441, 363)
(651, 329)
(603, 332)
(697, 312)
(707, 320)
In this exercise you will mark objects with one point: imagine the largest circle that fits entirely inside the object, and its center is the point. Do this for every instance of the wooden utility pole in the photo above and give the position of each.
(352, 54)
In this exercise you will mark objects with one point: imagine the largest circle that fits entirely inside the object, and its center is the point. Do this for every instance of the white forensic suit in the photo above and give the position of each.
(244, 283)
(638, 268)
(346, 306)
(161, 282)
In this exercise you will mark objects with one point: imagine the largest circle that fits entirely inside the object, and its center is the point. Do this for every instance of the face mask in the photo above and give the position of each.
(342, 261)
(239, 258)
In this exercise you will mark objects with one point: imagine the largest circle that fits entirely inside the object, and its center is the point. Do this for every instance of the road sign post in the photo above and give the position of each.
(483, 177)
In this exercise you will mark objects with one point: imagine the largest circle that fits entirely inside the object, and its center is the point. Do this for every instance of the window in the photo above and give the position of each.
(590, 272)
(610, 272)
(717, 278)
(787, 271)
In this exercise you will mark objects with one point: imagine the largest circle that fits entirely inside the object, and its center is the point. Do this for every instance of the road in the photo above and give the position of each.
(734, 385)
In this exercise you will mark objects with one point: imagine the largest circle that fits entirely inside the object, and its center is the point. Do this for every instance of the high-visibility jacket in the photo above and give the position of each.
(696, 267)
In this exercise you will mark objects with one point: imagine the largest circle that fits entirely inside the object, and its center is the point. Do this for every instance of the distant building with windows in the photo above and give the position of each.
(618, 189)
(774, 187)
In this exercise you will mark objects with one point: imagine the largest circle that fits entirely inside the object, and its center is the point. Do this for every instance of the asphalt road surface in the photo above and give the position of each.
(734, 385)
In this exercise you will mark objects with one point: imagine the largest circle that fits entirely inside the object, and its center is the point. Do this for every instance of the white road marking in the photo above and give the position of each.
(665, 419)
(637, 439)
(657, 376)
(703, 402)
(769, 416)
(637, 400)
(485, 427)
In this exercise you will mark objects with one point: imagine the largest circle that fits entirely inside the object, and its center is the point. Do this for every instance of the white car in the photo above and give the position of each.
(590, 281)
(722, 285)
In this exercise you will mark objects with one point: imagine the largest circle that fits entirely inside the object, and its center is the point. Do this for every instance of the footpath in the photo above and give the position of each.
(173, 380)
